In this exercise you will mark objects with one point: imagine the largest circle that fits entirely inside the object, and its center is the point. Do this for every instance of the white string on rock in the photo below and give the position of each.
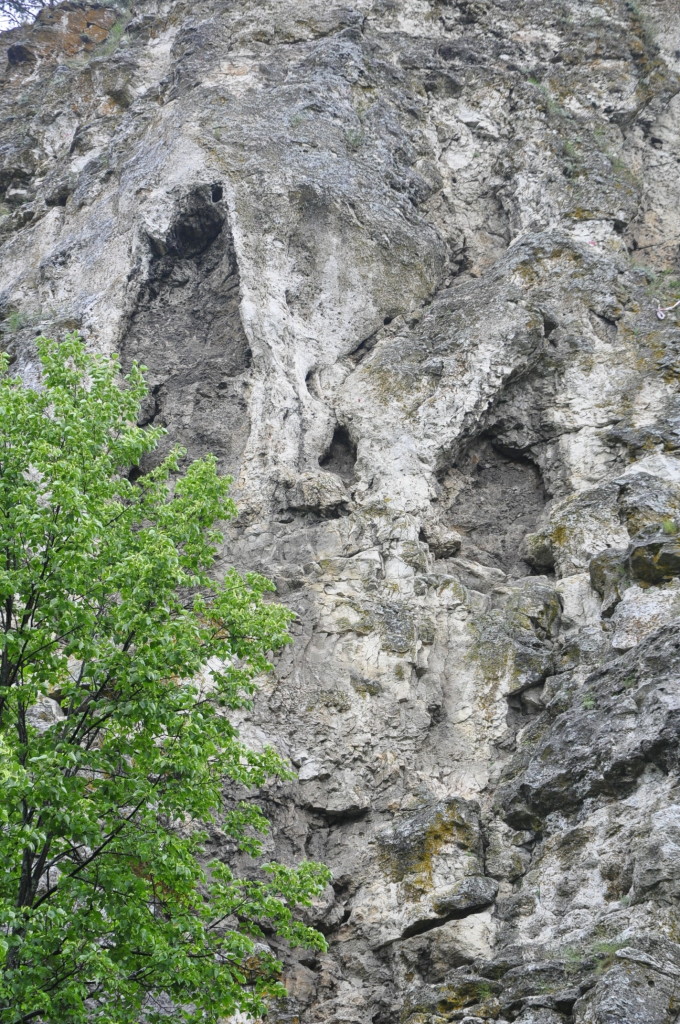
(662, 310)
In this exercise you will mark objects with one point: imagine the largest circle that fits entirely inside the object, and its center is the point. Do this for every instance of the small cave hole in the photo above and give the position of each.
(20, 54)
(216, 193)
(341, 456)
(311, 383)
(196, 226)
(193, 232)
(550, 324)
(59, 197)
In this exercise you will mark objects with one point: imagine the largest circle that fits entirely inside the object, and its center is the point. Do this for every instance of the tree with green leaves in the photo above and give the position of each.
(121, 657)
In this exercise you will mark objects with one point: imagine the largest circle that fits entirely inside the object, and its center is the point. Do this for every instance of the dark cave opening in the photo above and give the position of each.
(341, 456)
(493, 497)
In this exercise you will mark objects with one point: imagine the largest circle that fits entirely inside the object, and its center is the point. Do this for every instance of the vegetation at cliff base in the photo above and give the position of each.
(121, 658)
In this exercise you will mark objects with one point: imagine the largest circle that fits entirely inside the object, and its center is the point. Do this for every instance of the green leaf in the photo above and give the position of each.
(121, 653)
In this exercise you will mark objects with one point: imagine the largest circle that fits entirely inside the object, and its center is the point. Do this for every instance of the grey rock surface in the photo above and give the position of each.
(398, 264)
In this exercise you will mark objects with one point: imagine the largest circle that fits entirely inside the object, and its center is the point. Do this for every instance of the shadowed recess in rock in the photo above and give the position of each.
(493, 499)
(341, 455)
(186, 328)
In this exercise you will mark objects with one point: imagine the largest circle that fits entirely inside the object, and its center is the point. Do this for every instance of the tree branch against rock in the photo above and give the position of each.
(14, 12)
(121, 658)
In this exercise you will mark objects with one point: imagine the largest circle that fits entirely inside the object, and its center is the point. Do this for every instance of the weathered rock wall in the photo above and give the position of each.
(397, 262)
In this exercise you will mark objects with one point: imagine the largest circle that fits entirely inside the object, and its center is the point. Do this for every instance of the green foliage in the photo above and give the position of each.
(547, 102)
(114, 37)
(669, 527)
(664, 285)
(120, 660)
(484, 991)
(606, 951)
(354, 138)
(607, 947)
(50, 315)
(14, 322)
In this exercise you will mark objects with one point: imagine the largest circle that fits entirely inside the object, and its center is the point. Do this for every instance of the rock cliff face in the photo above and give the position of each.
(397, 263)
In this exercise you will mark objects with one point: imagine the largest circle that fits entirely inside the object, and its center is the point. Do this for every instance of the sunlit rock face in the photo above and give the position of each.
(398, 264)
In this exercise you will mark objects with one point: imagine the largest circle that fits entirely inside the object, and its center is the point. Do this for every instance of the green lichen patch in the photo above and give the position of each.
(335, 699)
(408, 849)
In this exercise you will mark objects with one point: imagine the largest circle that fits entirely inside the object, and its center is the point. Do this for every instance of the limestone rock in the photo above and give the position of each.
(578, 753)
(398, 265)
(655, 559)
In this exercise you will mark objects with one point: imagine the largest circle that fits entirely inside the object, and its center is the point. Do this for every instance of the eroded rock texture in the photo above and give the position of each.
(397, 262)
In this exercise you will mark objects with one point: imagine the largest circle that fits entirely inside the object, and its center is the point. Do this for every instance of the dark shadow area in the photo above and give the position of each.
(493, 498)
(186, 328)
(341, 457)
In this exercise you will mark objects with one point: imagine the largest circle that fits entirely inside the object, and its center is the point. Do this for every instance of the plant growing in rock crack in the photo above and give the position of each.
(120, 659)
(19, 319)
(573, 958)
(663, 285)
(14, 322)
(606, 951)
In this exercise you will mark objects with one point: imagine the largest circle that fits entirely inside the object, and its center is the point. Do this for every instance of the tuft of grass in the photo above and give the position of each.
(669, 527)
(606, 953)
(548, 103)
(607, 947)
(18, 319)
(14, 321)
(484, 991)
(354, 138)
(113, 39)
(664, 285)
